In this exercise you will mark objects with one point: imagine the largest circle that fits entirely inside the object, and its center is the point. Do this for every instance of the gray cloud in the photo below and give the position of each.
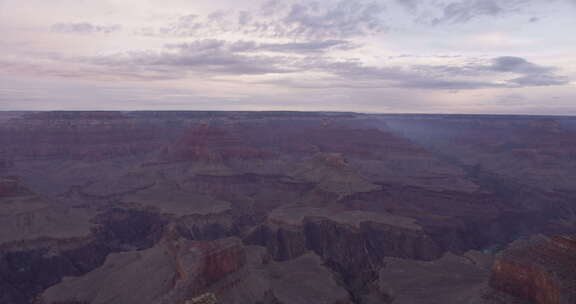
(204, 57)
(447, 12)
(517, 65)
(540, 80)
(444, 77)
(461, 11)
(526, 73)
(218, 57)
(532, 74)
(215, 57)
(212, 57)
(466, 10)
(410, 5)
(251, 46)
(352, 74)
(84, 28)
(345, 19)
(278, 19)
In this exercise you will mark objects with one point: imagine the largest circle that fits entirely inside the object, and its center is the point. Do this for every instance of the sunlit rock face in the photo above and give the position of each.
(541, 270)
(261, 207)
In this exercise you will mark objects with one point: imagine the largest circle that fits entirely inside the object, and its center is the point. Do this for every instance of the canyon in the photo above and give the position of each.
(286, 207)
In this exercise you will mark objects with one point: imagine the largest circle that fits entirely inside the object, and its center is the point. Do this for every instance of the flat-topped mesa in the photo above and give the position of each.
(337, 235)
(541, 270)
(80, 135)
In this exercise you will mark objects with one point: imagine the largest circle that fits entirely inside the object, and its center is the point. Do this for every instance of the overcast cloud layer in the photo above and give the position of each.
(389, 56)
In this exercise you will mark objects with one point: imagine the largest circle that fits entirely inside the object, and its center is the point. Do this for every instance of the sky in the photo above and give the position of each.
(374, 56)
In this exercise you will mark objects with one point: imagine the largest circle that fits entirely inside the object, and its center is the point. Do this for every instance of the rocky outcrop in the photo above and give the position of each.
(450, 279)
(42, 241)
(174, 271)
(182, 271)
(302, 280)
(541, 270)
(352, 243)
(207, 298)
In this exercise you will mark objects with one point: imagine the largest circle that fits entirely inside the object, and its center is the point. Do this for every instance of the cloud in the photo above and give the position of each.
(449, 12)
(540, 80)
(461, 11)
(474, 75)
(345, 19)
(212, 58)
(410, 5)
(517, 65)
(532, 74)
(209, 57)
(467, 10)
(355, 75)
(308, 20)
(84, 28)
(252, 46)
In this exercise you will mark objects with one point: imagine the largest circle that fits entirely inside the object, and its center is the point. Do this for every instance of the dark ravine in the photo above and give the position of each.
(28, 267)
(264, 197)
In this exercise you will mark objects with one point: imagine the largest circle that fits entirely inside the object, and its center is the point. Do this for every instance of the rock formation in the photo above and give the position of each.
(541, 270)
(450, 279)
(172, 272)
(207, 298)
(263, 207)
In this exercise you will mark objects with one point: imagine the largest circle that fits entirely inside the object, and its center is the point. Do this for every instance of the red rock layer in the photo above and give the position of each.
(201, 264)
(212, 144)
(542, 271)
(9, 187)
(220, 261)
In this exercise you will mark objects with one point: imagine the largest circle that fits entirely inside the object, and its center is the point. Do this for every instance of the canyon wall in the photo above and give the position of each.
(234, 204)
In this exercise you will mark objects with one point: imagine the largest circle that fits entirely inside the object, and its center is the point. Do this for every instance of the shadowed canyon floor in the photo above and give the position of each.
(286, 207)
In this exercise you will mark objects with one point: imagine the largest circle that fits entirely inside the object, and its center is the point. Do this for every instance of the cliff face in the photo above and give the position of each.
(172, 272)
(212, 144)
(236, 203)
(79, 135)
(181, 271)
(540, 270)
